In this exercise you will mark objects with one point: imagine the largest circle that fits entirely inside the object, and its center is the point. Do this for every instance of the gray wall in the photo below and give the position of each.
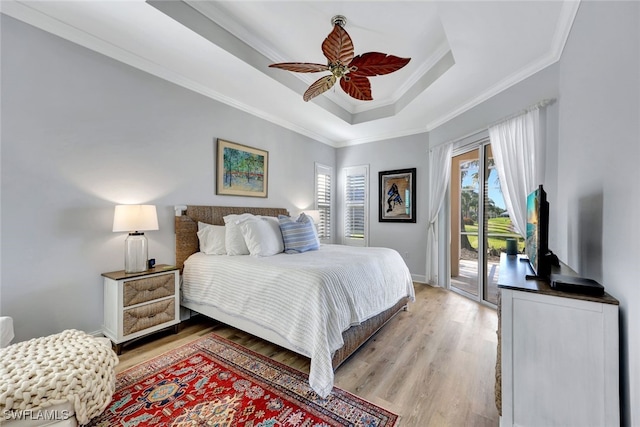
(400, 153)
(82, 133)
(593, 152)
(598, 203)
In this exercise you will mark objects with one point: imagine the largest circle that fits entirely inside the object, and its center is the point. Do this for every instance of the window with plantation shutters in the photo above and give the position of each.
(324, 201)
(356, 190)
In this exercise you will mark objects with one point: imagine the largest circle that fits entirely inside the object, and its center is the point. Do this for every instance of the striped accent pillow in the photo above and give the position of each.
(298, 235)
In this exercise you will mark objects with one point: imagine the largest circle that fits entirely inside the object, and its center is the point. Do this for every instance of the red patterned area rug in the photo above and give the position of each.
(215, 382)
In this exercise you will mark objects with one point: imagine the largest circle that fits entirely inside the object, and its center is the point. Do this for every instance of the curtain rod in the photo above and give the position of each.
(540, 104)
(460, 138)
(537, 105)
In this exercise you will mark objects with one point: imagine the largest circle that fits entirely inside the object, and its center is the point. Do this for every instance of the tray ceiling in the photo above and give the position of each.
(462, 53)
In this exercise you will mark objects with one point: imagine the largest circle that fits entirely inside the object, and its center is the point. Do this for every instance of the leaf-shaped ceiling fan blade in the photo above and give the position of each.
(338, 47)
(320, 86)
(376, 64)
(352, 71)
(356, 86)
(301, 67)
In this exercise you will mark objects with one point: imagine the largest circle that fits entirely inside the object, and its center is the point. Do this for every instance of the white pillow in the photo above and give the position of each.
(212, 239)
(262, 236)
(234, 241)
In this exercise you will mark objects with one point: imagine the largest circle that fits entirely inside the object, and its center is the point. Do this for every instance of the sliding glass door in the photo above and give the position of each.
(480, 224)
(465, 190)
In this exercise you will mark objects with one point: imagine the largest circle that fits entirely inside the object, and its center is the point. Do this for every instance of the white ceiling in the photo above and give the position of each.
(462, 53)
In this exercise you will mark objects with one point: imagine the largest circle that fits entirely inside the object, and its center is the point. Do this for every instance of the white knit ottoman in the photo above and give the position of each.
(61, 379)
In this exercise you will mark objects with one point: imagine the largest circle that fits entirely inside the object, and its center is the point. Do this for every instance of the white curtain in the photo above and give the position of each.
(439, 175)
(519, 158)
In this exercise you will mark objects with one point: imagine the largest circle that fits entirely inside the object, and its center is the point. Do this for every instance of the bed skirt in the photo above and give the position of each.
(353, 337)
(356, 336)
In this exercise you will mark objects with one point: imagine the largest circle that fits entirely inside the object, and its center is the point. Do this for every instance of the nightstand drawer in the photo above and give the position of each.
(148, 315)
(148, 289)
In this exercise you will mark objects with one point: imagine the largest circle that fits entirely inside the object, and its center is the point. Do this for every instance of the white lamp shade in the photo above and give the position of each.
(314, 214)
(135, 218)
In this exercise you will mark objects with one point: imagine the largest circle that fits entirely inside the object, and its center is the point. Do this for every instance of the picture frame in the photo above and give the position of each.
(241, 170)
(397, 195)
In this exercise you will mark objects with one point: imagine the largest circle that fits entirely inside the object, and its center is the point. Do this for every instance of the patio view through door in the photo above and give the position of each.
(480, 224)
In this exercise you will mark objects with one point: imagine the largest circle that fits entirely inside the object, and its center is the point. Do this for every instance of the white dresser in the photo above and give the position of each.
(559, 353)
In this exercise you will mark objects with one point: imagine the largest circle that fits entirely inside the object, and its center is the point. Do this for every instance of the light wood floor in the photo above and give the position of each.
(434, 365)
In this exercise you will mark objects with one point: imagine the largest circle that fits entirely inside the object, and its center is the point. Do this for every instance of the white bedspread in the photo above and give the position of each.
(308, 299)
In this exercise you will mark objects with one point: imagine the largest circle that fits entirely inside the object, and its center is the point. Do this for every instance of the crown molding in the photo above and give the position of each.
(561, 34)
(22, 10)
(379, 109)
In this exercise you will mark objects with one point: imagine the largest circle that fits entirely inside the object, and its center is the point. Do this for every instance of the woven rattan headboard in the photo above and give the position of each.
(187, 225)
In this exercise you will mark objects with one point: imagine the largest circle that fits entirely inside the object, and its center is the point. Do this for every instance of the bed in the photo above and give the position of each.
(345, 315)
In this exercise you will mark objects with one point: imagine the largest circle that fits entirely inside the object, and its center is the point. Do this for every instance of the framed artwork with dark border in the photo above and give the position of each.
(241, 170)
(397, 192)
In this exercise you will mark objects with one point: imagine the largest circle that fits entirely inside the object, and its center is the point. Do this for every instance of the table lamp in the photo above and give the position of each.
(314, 214)
(135, 219)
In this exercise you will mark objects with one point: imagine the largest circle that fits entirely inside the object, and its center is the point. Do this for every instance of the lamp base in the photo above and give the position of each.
(135, 253)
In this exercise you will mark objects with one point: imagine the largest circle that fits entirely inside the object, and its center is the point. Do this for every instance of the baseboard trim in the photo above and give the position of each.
(419, 278)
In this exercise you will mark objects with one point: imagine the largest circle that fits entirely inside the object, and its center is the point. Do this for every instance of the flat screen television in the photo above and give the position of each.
(537, 239)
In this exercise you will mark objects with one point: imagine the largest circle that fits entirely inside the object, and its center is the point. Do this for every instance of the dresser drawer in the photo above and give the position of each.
(148, 289)
(146, 316)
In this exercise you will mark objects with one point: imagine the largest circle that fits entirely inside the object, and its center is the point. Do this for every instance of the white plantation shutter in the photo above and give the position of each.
(323, 201)
(356, 201)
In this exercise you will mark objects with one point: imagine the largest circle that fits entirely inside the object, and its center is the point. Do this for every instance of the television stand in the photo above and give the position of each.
(558, 352)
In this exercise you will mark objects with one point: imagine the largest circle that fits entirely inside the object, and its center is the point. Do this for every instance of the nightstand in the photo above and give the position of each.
(137, 304)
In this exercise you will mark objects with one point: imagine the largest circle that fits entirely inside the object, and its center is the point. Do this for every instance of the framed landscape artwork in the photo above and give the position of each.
(397, 195)
(241, 170)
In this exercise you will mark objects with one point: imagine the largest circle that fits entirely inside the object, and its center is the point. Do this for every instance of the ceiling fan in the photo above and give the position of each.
(353, 72)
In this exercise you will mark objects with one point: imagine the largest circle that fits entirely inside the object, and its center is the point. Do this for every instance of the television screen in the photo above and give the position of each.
(536, 243)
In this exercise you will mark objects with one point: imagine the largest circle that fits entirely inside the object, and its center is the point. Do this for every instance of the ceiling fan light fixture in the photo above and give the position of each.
(352, 72)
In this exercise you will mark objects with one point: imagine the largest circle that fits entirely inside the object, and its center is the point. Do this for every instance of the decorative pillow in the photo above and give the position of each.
(212, 239)
(234, 241)
(298, 235)
(262, 236)
(315, 226)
